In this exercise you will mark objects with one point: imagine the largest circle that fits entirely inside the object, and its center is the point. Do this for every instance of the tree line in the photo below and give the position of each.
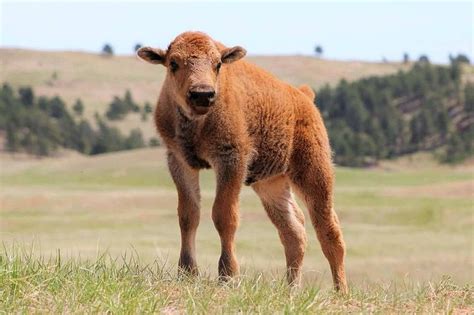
(120, 107)
(425, 108)
(41, 125)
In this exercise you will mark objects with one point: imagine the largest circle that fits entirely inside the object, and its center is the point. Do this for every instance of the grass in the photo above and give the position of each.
(408, 229)
(125, 285)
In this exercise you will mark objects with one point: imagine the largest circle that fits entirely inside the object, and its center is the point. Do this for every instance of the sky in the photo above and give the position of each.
(352, 30)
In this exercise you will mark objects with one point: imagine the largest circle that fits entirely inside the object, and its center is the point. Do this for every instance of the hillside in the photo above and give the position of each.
(372, 111)
(97, 79)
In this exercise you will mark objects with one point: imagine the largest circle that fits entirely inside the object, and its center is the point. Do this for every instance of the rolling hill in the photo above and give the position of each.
(97, 79)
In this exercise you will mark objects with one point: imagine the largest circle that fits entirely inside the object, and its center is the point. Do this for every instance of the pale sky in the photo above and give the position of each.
(345, 30)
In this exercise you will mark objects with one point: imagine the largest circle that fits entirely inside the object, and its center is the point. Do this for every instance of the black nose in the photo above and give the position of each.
(193, 95)
(201, 95)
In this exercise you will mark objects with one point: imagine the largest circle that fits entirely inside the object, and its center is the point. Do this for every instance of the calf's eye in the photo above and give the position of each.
(173, 66)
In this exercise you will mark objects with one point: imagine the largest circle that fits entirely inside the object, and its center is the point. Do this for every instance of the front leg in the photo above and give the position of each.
(230, 171)
(186, 180)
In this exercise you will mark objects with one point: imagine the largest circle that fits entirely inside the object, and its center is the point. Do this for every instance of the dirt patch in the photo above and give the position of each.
(464, 189)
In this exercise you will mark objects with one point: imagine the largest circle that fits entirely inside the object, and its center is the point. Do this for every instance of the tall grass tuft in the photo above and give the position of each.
(59, 284)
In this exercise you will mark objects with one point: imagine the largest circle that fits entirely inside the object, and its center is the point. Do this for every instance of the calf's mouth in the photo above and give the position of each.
(201, 110)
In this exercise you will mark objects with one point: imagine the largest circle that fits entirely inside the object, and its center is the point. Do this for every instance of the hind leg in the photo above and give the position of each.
(283, 211)
(312, 178)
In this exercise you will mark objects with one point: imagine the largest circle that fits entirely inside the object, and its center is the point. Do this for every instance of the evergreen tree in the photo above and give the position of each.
(86, 137)
(109, 139)
(57, 108)
(12, 139)
(118, 108)
(319, 51)
(424, 59)
(129, 103)
(78, 107)
(26, 96)
(147, 108)
(135, 140)
(107, 50)
(461, 58)
(154, 142)
(469, 98)
(406, 58)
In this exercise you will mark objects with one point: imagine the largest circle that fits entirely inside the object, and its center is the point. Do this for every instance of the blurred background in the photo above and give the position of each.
(83, 170)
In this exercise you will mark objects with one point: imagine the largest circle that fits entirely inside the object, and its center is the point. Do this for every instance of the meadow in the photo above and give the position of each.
(100, 234)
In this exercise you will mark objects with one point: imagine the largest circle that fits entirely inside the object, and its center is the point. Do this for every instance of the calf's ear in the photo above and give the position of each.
(152, 55)
(229, 55)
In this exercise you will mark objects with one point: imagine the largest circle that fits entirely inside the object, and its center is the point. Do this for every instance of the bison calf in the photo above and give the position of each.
(218, 111)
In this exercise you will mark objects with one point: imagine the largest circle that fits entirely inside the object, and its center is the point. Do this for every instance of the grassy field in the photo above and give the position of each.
(100, 234)
(96, 79)
(108, 285)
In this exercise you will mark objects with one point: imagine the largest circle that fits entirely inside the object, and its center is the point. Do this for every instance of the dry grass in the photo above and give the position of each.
(404, 230)
(126, 285)
(397, 222)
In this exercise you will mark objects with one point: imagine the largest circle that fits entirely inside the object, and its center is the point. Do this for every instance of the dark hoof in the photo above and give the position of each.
(228, 267)
(187, 266)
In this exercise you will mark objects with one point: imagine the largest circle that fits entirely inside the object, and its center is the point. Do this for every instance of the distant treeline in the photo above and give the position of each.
(40, 125)
(426, 108)
(119, 108)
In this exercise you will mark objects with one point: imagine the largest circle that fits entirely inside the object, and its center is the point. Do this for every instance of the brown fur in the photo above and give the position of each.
(306, 89)
(259, 131)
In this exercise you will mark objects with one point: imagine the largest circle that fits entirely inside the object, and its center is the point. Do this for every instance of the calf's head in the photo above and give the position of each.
(193, 61)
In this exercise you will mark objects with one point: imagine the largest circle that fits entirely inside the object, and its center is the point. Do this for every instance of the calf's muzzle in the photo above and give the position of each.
(201, 95)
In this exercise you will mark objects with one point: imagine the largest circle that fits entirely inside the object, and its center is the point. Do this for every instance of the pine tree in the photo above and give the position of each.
(319, 51)
(107, 50)
(78, 107)
(27, 96)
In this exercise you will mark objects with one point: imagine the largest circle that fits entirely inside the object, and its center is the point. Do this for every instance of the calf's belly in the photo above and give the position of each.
(268, 161)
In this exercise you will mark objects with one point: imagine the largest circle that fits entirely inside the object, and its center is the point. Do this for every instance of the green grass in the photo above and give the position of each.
(373, 178)
(408, 231)
(126, 285)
